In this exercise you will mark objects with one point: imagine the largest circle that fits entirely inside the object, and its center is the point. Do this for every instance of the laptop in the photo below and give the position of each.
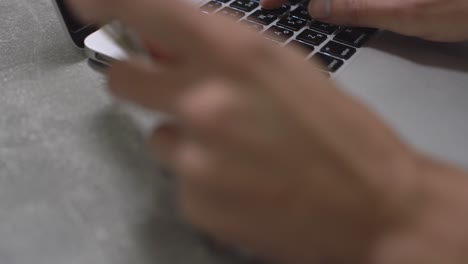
(288, 25)
(419, 87)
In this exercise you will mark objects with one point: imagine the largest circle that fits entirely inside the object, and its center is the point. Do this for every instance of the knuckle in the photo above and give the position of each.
(209, 109)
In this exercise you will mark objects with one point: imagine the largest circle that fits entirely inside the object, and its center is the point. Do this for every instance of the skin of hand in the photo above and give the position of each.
(436, 20)
(272, 157)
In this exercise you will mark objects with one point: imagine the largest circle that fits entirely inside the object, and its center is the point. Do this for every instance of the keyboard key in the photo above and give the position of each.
(292, 23)
(328, 63)
(307, 49)
(262, 17)
(210, 7)
(323, 27)
(224, 1)
(294, 2)
(278, 34)
(353, 36)
(244, 5)
(312, 37)
(279, 11)
(338, 50)
(232, 13)
(302, 13)
(252, 25)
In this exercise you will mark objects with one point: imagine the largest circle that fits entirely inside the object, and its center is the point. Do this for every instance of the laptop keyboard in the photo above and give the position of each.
(291, 25)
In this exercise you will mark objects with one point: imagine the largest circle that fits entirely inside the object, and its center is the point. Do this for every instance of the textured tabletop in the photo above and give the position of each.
(76, 185)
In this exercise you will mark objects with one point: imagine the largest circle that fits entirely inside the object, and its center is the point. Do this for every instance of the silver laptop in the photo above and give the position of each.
(288, 25)
(420, 87)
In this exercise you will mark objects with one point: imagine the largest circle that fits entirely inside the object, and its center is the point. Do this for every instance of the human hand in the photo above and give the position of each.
(437, 20)
(269, 155)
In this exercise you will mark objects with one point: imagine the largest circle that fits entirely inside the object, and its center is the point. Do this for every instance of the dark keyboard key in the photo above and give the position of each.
(224, 1)
(293, 23)
(278, 34)
(312, 37)
(244, 5)
(262, 17)
(301, 12)
(328, 63)
(307, 49)
(294, 2)
(338, 50)
(232, 13)
(210, 6)
(252, 25)
(279, 11)
(323, 27)
(353, 36)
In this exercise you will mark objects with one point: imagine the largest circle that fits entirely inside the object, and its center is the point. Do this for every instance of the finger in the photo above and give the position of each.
(164, 142)
(206, 173)
(367, 13)
(215, 200)
(232, 118)
(211, 169)
(190, 158)
(240, 121)
(155, 18)
(197, 39)
(159, 55)
(197, 34)
(213, 109)
(142, 84)
(271, 4)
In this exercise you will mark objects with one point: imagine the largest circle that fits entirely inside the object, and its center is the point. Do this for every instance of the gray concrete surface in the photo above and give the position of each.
(76, 185)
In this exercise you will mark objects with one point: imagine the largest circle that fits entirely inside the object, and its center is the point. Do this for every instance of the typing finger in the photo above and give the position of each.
(142, 84)
(177, 26)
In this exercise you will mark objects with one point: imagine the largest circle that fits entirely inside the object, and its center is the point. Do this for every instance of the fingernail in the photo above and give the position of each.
(320, 9)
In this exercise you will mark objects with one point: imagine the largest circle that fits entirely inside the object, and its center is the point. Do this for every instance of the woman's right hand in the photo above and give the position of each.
(437, 20)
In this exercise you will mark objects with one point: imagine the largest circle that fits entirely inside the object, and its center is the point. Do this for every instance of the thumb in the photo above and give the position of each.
(364, 13)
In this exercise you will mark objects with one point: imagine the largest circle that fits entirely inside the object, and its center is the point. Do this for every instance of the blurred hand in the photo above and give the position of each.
(270, 155)
(438, 20)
